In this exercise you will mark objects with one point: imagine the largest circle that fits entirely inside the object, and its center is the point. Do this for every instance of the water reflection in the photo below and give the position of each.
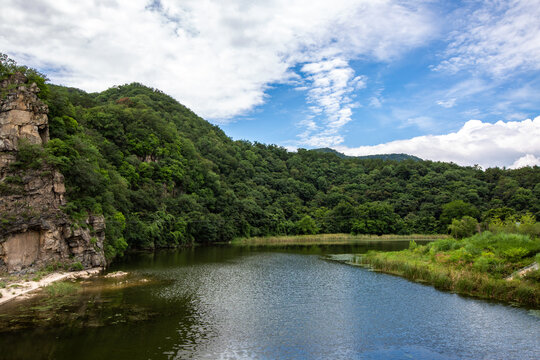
(287, 303)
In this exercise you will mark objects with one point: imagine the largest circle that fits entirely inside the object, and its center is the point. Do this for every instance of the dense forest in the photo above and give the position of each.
(163, 176)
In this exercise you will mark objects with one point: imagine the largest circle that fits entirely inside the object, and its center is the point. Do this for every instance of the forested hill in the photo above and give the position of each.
(397, 157)
(163, 176)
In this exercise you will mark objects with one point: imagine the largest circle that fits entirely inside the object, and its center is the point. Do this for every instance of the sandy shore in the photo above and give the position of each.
(24, 289)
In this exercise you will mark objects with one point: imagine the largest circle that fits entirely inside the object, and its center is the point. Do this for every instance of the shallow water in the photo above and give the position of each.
(260, 303)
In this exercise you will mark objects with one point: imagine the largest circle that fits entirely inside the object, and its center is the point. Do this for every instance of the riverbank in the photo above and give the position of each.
(331, 239)
(486, 266)
(21, 288)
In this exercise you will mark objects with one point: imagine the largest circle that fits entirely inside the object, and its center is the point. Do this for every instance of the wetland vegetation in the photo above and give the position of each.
(330, 239)
(480, 265)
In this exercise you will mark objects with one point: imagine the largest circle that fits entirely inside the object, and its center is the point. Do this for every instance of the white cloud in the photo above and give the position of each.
(217, 57)
(447, 103)
(375, 102)
(422, 122)
(331, 86)
(526, 160)
(291, 148)
(499, 38)
(513, 143)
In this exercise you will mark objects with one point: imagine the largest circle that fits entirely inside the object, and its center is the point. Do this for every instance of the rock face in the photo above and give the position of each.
(22, 114)
(34, 231)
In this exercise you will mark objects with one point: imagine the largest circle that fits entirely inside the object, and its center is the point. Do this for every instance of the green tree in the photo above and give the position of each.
(306, 225)
(465, 227)
(456, 210)
(376, 218)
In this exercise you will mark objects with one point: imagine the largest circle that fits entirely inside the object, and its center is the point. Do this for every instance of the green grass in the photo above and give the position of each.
(475, 266)
(61, 288)
(329, 239)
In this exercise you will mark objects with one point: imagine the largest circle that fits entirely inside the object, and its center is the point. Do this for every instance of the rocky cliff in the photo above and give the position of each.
(34, 231)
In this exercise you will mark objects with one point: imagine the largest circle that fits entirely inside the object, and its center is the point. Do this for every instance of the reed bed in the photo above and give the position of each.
(330, 239)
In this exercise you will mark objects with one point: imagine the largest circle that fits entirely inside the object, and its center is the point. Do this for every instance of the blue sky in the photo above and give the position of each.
(452, 81)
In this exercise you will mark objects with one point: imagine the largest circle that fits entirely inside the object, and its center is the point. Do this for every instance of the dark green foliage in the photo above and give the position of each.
(376, 218)
(456, 210)
(306, 225)
(396, 157)
(29, 156)
(163, 177)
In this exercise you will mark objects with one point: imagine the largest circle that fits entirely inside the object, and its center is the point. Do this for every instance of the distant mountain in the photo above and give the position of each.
(396, 157)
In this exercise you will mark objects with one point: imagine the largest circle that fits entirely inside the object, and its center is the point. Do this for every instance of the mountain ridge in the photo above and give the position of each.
(392, 156)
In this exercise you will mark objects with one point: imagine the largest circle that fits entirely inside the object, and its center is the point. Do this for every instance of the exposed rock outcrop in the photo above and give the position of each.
(34, 231)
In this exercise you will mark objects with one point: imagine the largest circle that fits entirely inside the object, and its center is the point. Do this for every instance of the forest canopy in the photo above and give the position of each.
(162, 177)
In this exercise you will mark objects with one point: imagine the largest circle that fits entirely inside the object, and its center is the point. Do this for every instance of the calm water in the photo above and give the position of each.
(241, 303)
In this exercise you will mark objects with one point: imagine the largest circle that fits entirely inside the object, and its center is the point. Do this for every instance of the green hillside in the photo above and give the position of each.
(135, 153)
(397, 157)
(163, 177)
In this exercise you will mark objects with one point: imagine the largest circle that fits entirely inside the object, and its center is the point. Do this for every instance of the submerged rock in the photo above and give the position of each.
(116, 274)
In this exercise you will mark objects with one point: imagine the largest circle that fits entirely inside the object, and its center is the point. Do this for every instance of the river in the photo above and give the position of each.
(230, 302)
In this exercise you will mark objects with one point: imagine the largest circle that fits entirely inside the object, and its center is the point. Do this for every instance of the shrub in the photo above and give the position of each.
(76, 266)
(460, 254)
(526, 224)
(533, 276)
(29, 156)
(484, 262)
(306, 225)
(515, 254)
(465, 227)
(444, 245)
(498, 243)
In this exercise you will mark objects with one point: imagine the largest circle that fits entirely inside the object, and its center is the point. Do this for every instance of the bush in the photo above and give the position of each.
(465, 227)
(306, 225)
(515, 254)
(29, 156)
(533, 276)
(485, 262)
(76, 266)
(501, 243)
(444, 245)
(460, 255)
(526, 224)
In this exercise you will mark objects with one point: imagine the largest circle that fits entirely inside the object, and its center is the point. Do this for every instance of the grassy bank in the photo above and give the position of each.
(476, 266)
(330, 239)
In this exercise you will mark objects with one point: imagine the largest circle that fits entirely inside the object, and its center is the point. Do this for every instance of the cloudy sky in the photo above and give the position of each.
(444, 80)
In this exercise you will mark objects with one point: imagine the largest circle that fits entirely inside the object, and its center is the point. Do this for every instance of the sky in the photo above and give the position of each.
(451, 81)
